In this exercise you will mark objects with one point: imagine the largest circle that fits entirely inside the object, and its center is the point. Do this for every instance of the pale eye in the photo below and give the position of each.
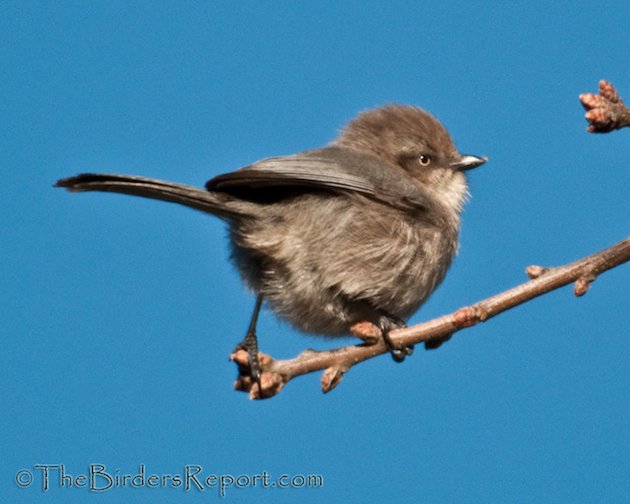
(424, 160)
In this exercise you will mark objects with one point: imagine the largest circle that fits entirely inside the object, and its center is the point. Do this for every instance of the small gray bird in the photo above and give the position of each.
(362, 230)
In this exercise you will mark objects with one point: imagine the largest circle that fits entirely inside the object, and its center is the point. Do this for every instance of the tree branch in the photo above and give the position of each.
(335, 363)
(606, 111)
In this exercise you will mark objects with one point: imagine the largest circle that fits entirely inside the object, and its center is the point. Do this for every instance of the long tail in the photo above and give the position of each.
(217, 203)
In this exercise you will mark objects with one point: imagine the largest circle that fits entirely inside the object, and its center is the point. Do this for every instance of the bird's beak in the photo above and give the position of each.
(468, 162)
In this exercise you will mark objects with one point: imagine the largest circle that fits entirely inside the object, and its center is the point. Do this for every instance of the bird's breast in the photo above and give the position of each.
(324, 263)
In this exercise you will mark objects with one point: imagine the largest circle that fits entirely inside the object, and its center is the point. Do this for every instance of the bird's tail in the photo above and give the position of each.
(217, 203)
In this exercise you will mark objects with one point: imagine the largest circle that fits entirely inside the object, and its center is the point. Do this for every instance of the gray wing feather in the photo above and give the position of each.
(331, 168)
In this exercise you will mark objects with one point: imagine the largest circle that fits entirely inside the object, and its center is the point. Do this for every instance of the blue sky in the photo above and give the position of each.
(118, 314)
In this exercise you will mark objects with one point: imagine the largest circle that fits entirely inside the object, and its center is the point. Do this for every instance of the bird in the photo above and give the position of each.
(361, 230)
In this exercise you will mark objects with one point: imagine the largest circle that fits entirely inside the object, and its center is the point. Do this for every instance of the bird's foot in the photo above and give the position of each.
(250, 345)
(388, 323)
(269, 383)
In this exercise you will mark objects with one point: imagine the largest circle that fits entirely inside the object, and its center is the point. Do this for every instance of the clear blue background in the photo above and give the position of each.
(117, 314)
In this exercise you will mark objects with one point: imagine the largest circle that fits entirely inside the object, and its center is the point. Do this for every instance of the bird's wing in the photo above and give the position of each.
(332, 168)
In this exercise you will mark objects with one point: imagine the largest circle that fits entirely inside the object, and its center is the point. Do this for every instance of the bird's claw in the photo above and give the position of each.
(387, 324)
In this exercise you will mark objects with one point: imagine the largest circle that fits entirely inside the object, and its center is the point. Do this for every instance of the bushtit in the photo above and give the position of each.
(362, 230)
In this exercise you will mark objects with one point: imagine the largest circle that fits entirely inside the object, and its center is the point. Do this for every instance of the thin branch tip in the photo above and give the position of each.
(605, 111)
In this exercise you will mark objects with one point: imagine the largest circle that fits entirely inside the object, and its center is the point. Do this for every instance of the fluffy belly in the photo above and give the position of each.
(322, 272)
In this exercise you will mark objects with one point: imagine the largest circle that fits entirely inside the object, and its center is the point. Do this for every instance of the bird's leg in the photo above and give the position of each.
(388, 323)
(250, 343)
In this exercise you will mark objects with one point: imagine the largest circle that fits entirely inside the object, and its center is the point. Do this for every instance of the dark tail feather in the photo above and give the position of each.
(218, 203)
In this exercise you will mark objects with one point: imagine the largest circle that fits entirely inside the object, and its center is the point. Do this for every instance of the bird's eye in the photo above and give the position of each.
(424, 160)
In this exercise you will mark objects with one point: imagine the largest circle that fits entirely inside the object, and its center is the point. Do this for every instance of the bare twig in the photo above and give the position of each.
(277, 373)
(606, 111)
